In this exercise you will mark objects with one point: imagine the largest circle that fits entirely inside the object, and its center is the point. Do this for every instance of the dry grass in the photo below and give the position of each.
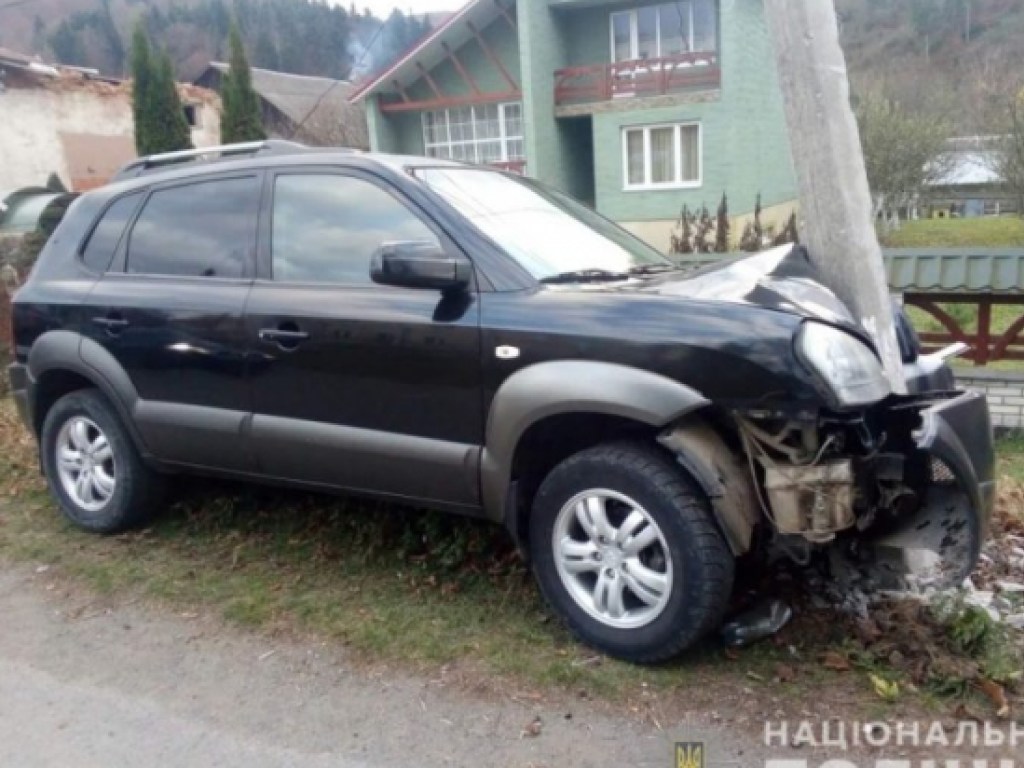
(427, 591)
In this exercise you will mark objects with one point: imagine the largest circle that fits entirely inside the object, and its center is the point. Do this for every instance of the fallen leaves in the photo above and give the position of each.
(887, 690)
(784, 673)
(868, 631)
(963, 713)
(835, 661)
(997, 694)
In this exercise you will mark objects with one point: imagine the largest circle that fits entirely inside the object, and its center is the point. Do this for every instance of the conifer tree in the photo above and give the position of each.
(142, 67)
(683, 242)
(722, 226)
(241, 120)
(160, 124)
(175, 132)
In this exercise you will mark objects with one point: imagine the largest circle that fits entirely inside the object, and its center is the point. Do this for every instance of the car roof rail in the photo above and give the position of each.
(161, 161)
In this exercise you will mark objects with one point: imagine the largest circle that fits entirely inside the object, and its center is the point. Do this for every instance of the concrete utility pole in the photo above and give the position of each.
(835, 203)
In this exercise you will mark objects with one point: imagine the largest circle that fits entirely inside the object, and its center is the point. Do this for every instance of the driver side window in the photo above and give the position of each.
(325, 227)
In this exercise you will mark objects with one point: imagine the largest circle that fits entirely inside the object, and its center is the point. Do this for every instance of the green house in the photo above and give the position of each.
(635, 108)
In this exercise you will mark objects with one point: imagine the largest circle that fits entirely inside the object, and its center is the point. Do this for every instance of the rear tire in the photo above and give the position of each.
(93, 468)
(626, 552)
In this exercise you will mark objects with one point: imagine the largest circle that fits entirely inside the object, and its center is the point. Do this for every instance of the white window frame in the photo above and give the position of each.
(677, 135)
(634, 31)
(503, 137)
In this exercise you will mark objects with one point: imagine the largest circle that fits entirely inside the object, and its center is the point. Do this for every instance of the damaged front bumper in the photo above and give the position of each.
(958, 433)
(941, 541)
(907, 484)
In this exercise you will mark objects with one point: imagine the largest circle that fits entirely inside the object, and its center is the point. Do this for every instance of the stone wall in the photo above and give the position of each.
(1004, 390)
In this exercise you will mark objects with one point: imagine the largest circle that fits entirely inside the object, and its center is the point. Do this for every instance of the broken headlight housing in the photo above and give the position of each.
(846, 365)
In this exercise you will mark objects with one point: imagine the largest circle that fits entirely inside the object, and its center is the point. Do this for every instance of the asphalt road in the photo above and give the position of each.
(82, 684)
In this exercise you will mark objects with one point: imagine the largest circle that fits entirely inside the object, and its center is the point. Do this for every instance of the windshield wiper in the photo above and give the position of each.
(585, 276)
(652, 269)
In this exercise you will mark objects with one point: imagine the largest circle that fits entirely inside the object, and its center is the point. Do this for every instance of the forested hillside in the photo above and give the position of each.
(957, 57)
(953, 54)
(299, 36)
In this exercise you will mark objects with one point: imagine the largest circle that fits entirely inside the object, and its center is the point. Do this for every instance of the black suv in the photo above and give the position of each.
(460, 338)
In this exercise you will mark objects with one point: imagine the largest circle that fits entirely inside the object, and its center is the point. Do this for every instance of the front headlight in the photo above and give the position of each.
(846, 364)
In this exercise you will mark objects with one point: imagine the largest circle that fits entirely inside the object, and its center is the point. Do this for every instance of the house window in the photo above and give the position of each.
(192, 115)
(662, 156)
(658, 31)
(483, 133)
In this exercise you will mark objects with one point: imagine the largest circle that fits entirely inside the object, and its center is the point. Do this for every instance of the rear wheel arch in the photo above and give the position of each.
(50, 387)
(61, 362)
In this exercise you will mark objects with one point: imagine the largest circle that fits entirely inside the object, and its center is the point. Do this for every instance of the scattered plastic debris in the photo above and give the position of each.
(764, 619)
(910, 633)
(996, 586)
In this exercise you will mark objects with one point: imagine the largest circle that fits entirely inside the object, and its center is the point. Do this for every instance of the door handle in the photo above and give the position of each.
(279, 334)
(285, 338)
(112, 323)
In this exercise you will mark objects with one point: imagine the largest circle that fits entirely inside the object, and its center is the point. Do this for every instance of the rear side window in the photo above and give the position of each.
(326, 228)
(102, 243)
(206, 229)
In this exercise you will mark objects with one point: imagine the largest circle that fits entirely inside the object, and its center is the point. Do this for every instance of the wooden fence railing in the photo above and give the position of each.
(641, 77)
(987, 345)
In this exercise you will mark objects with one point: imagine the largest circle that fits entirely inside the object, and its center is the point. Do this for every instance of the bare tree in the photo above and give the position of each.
(990, 80)
(1010, 157)
(903, 152)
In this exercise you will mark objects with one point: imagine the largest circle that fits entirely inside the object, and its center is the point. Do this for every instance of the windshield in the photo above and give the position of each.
(548, 233)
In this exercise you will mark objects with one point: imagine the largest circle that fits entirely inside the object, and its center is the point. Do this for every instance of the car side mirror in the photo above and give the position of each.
(419, 264)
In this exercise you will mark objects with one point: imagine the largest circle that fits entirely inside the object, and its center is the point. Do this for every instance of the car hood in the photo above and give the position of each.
(781, 279)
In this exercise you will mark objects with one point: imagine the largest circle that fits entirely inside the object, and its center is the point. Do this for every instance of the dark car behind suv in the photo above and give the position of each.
(456, 337)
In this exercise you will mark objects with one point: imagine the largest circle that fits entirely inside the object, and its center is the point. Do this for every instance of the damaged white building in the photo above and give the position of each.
(76, 124)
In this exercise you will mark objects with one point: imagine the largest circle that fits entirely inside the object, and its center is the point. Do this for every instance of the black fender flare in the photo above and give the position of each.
(70, 351)
(571, 386)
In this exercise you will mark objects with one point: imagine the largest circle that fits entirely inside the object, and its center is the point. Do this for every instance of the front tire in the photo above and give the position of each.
(626, 552)
(92, 467)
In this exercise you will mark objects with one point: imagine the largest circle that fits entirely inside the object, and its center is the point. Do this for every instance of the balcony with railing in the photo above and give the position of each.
(639, 78)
